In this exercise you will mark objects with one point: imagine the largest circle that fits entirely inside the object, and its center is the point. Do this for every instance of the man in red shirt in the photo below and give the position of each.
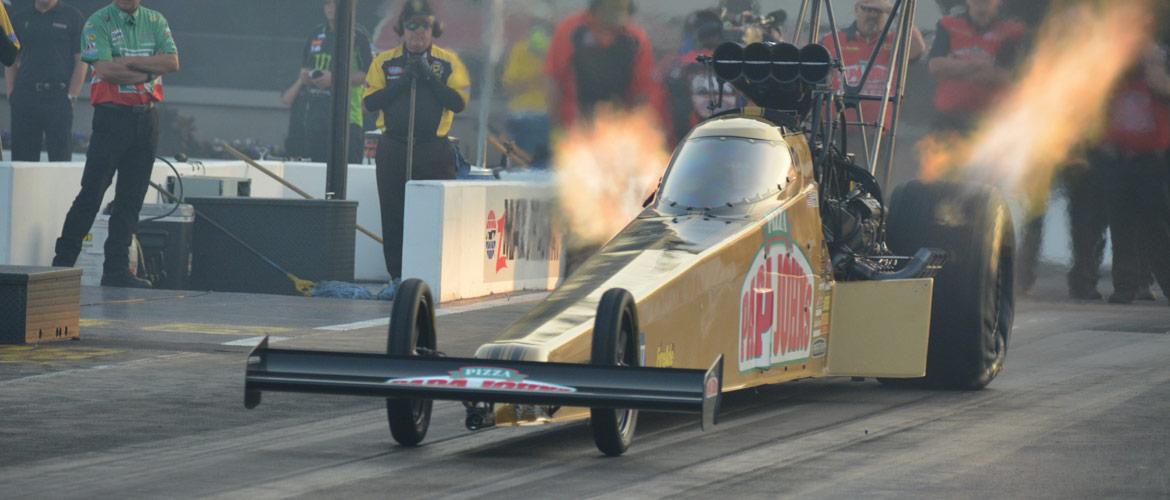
(857, 44)
(1137, 137)
(963, 59)
(599, 56)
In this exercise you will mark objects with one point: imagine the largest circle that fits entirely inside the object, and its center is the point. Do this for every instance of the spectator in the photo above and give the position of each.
(523, 78)
(774, 25)
(689, 89)
(9, 48)
(130, 47)
(963, 59)
(442, 89)
(599, 56)
(316, 82)
(46, 78)
(1137, 138)
(858, 42)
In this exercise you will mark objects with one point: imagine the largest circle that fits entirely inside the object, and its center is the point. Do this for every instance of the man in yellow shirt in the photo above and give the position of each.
(528, 123)
(9, 45)
(442, 88)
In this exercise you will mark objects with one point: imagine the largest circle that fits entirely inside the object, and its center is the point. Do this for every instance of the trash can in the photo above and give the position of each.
(312, 239)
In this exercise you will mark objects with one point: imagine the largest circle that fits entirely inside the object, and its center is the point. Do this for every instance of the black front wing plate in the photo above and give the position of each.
(484, 380)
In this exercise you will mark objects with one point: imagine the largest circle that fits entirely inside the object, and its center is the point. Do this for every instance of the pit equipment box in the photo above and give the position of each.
(39, 304)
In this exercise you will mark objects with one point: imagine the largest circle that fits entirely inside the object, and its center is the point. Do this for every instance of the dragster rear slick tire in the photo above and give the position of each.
(974, 303)
(615, 330)
(412, 326)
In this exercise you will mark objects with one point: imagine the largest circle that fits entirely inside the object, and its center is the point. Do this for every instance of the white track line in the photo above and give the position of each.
(254, 341)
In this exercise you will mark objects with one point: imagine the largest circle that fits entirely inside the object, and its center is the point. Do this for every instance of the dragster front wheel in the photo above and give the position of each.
(412, 332)
(614, 332)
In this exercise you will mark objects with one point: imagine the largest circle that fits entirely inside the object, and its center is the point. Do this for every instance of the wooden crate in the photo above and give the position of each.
(39, 304)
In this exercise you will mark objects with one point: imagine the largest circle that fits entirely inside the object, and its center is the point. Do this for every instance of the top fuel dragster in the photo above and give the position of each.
(766, 255)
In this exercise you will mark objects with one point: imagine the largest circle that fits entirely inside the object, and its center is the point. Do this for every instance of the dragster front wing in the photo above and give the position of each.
(484, 380)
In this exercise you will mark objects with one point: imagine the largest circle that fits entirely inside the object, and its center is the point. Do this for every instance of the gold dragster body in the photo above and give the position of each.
(719, 266)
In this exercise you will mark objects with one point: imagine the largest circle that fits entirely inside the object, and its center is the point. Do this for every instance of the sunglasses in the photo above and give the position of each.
(423, 25)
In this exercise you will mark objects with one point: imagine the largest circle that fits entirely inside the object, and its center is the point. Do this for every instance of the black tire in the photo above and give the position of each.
(412, 325)
(615, 331)
(974, 301)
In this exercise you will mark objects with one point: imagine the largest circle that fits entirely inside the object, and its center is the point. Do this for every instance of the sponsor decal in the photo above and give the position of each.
(437, 68)
(491, 240)
(521, 232)
(665, 356)
(395, 70)
(59, 26)
(819, 346)
(642, 349)
(484, 378)
(777, 298)
(811, 200)
(153, 18)
(712, 387)
(116, 36)
(92, 36)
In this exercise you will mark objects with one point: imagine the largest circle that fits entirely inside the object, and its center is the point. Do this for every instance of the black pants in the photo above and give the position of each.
(124, 142)
(37, 114)
(1139, 218)
(1086, 188)
(433, 160)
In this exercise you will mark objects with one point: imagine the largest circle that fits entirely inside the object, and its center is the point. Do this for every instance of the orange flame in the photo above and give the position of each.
(606, 169)
(1081, 53)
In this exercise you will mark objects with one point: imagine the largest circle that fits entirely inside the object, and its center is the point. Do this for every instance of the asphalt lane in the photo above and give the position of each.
(149, 404)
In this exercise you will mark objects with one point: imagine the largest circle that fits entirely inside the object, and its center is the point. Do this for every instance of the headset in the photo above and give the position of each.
(436, 26)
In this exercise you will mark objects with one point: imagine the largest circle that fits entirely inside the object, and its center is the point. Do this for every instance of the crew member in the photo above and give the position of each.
(130, 47)
(45, 80)
(599, 56)
(963, 59)
(9, 47)
(316, 81)
(858, 42)
(1138, 137)
(442, 88)
(687, 83)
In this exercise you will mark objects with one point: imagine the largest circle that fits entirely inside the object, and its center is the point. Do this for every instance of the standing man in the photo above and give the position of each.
(963, 59)
(442, 88)
(45, 80)
(130, 48)
(9, 47)
(601, 56)
(857, 45)
(316, 80)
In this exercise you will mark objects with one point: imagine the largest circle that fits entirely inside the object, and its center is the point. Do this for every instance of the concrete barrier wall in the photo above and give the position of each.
(448, 239)
(490, 237)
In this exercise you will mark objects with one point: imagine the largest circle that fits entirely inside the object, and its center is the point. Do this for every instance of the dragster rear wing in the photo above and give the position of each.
(484, 380)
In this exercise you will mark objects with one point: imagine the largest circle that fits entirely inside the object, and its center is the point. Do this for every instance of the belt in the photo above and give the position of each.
(46, 86)
(137, 108)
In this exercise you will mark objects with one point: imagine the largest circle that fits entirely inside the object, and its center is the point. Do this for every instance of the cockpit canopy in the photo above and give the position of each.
(726, 163)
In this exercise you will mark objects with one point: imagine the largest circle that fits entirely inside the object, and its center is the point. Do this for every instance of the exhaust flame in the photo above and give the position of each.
(606, 169)
(1080, 54)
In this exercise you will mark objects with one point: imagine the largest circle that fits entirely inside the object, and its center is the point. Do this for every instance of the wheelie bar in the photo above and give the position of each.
(484, 380)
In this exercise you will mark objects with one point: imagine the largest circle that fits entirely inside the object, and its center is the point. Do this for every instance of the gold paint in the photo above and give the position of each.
(34, 355)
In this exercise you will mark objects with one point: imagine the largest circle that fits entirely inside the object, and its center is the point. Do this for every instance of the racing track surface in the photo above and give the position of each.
(149, 405)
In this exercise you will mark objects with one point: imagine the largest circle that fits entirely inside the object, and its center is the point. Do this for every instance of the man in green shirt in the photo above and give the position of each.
(130, 47)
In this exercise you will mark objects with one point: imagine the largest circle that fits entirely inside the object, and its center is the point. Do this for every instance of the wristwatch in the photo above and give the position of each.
(73, 100)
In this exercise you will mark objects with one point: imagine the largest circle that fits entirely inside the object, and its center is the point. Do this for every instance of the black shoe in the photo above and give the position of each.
(1084, 293)
(1146, 292)
(1122, 297)
(125, 280)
